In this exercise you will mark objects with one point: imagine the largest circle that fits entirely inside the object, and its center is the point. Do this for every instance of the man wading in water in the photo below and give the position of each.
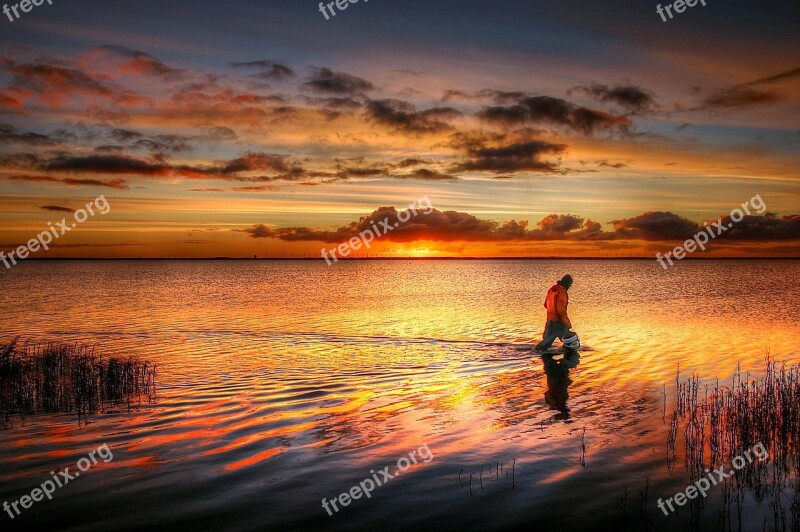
(558, 323)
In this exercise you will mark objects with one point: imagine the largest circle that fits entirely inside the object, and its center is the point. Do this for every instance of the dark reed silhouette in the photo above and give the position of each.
(720, 422)
(36, 378)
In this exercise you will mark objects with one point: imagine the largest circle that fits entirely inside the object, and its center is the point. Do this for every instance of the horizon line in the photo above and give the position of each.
(223, 258)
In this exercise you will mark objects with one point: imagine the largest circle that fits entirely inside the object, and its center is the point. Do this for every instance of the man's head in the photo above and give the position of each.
(566, 281)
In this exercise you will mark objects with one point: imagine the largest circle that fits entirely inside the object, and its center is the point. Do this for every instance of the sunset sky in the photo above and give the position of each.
(535, 128)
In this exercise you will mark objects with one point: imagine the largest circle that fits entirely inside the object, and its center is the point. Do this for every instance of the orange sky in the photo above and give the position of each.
(278, 137)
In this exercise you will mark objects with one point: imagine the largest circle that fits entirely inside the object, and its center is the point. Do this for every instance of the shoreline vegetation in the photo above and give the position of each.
(711, 424)
(38, 378)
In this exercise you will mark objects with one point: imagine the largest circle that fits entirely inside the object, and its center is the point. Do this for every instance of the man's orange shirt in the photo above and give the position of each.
(556, 304)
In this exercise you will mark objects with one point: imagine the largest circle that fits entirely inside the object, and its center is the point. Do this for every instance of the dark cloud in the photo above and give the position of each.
(560, 223)
(119, 184)
(425, 174)
(270, 71)
(251, 64)
(282, 115)
(739, 97)
(746, 95)
(412, 161)
(605, 164)
(231, 170)
(443, 226)
(134, 140)
(259, 231)
(222, 108)
(104, 164)
(634, 99)
(222, 100)
(251, 167)
(780, 76)
(124, 135)
(656, 226)
(141, 63)
(162, 144)
(218, 134)
(768, 226)
(511, 115)
(299, 234)
(471, 140)
(549, 110)
(404, 117)
(373, 171)
(258, 161)
(54, 83)
(511, 157)
(110, 148)
(325, 80)
(256, 188)
(11, 135)
(589, 121)
(337, 103)
(501, 97)
(455, 94)
(56, 208)
(356, 168)
(448, 226)
(669, 226)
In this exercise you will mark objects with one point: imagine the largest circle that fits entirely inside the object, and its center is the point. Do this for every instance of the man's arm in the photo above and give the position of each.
(561, 305)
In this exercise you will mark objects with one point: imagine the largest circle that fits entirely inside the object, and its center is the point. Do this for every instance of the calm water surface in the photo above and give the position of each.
(286, 382)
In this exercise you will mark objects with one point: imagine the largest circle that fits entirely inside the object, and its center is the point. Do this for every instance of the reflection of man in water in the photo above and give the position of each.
(558, 381)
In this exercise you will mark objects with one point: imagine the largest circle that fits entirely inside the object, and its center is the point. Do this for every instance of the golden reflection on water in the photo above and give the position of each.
(266, 364)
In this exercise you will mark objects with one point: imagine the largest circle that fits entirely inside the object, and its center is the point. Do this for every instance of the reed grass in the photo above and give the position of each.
(37, 378)
(719, 423)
